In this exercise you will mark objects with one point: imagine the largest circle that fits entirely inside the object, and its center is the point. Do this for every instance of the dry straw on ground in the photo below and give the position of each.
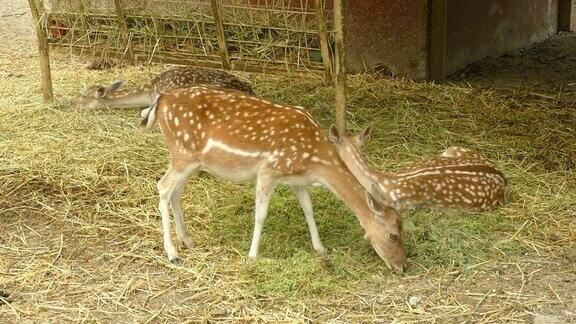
(80, 237)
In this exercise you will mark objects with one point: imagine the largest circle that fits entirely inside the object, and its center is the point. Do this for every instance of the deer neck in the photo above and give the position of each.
(342, 183)
(140, 97)
(365, 174)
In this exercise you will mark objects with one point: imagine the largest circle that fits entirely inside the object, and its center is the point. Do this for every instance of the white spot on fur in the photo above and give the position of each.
(212, 143)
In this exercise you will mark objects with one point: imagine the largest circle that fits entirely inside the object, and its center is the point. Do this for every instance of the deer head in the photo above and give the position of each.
(102, 96)
(385, 232)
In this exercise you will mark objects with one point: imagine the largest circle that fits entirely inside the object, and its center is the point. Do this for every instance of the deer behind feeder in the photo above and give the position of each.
(112, 96)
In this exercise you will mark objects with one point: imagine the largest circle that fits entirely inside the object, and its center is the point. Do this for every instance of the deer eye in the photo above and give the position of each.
(394, 237)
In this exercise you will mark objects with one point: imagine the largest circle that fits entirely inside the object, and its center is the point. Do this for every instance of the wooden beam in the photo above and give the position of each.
(564, 15)
(437, 40)
(183, 60)
(36, 8)
(323, 37)
(222, 47)
(340, 64)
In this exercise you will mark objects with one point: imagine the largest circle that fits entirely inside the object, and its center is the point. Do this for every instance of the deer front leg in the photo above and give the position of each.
(172, 179)
(264, 189)
(306, 204)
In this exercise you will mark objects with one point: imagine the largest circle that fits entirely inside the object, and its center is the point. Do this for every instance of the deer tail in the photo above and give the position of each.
(149, 114)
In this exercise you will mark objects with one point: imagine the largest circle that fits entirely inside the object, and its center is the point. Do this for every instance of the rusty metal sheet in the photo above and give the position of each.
(390, 33)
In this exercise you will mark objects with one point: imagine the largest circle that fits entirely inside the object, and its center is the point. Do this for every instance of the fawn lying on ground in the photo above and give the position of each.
(181, 77)
(458, 178)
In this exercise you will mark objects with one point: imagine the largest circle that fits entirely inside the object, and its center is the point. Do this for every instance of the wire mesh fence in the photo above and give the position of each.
(251, 35)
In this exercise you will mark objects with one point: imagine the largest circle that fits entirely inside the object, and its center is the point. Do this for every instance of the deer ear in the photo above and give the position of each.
(375, 197)
(365, 134)
(379, 206)
(114, 86)
(100, 92)
(376, 191)
(373, 204)
(335, 135)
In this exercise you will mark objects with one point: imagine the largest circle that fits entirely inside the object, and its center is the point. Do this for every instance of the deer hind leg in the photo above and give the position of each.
(173, 181)
(306, 204)
(264, 188)
(176, 204)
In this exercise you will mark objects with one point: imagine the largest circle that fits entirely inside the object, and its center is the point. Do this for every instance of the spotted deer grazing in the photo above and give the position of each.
(238, 137)
(181, 77)
(457, 178)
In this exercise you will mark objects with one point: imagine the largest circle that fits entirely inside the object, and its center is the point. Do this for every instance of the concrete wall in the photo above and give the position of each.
(476, 29)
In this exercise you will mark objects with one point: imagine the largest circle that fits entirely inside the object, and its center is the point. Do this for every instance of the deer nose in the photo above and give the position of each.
(399, 268)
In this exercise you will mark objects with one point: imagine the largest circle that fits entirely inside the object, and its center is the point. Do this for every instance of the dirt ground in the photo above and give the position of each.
(58, 264)
(547, 65)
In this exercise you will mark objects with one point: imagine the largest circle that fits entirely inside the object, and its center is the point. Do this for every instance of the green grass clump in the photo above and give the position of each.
(292, 276)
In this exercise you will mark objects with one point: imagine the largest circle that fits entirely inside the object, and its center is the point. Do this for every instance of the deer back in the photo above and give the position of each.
(183, 77)
(444, 182)
(231, 130)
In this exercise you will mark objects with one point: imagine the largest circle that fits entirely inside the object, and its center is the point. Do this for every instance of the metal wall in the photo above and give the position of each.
(476, 29)
(389, 33)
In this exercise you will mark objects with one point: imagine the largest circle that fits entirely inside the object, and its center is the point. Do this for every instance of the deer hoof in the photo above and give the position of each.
(176, 261)
(187, 242)
(320, 250)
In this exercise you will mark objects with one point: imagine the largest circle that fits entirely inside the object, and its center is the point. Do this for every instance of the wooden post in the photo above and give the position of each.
(340, 65)
(323, 36)
(564, 15)
(222, 47)
(437, 40)
(35, 6)
(123, 26)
